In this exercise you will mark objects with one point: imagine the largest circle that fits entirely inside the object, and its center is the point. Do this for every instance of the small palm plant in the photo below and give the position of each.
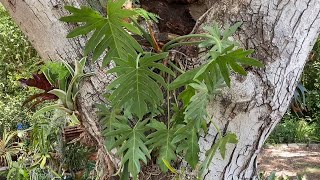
(8, 147)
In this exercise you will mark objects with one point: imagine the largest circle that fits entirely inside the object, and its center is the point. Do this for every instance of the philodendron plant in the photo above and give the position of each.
(153, 105)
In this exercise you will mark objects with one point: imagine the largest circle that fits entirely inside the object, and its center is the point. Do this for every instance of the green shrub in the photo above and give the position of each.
(293, 129)
(73, 152)
(311, 80)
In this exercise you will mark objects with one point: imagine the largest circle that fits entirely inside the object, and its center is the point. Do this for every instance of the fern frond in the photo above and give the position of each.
(162, 139)
(132, 145)
(108, 32)
(137, 86)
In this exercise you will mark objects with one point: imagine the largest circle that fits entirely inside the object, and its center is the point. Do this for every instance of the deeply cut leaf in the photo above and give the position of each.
(138, 85)
(132, 145)
(162, 139)
(108, 32)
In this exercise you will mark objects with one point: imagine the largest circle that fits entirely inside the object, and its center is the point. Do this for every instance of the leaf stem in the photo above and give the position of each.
(183, 44)
(165, 47)
(137, 60)
(175, 98)
(175, 67)
(216, 127)
(168, 102)
(146, 35)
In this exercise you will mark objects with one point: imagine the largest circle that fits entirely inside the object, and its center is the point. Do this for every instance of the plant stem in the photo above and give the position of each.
(165, 47)
(168, 102)
(175, 67)
(183, 44)
(144, 33)
(125, 173)
(216, 127)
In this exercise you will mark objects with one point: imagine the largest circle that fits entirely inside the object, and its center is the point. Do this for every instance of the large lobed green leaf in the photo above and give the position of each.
(137, 86)
(222, 56)
(186, 136)
(197, 108)
(108, 32)
(108, 116)
(132, 145)
(162, 138)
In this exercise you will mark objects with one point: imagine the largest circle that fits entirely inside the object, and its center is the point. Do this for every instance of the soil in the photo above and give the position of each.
(290, 160)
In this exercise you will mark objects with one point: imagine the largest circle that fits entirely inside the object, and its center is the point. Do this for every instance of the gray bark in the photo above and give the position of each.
(281, 31)
(39, 20)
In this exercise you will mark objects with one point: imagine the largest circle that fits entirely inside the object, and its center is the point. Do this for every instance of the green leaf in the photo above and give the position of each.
(224, 54)
(61, 95)
(186, 95)
(168, 165)
(67, 65)
(230, 31)
(132, 145)
(108, 32)
(136, 85)
(50, 108)
(56, 73)
(228, 138)
(72, 89)
(147, 15)
(108, 116)
(187, 138)
(224, 70)
(162, 139)
(196, 109)
(192, 156)
(184, 79)
(150, 58)
(237, 68)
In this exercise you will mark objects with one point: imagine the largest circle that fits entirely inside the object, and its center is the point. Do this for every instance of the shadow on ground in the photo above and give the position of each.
(290, 161)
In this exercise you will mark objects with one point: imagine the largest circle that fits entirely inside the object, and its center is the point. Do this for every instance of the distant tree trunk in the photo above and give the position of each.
(281, 31)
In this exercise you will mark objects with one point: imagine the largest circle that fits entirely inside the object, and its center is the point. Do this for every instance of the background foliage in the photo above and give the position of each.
(42, 152)
(303, 124)
(17, 60)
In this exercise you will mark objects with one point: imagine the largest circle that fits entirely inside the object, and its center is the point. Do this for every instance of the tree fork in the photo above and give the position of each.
(281, 31)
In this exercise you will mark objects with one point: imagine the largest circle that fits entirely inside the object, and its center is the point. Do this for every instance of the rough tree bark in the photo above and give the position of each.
(281, 31)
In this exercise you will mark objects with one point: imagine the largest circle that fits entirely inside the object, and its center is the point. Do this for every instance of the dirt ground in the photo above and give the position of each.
(291, 160)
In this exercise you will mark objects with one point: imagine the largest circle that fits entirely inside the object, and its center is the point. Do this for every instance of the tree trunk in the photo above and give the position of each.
(39, 20)
(281, 31)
